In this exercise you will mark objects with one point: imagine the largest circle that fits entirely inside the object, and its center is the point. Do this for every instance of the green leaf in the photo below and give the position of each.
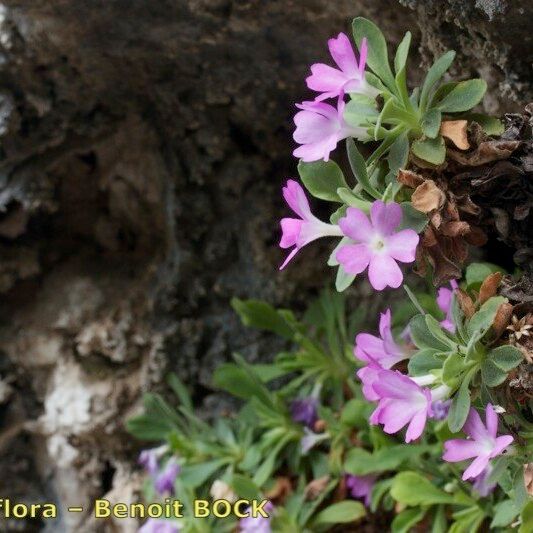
(343, 279)
(181, 392)
(341, 513)
(504, 513)
(322, 179)
(355, 413)
(361, 462)
(404, 521)
(433, 76)
(399, 153)
(239, 382)
(431, 123)
(464, 96)
(338, 214)
(195, 475)
(526, 517)
(377, 58)
(482, 320)
(423, 361)
(498, 363)
(477, 272)
(261, 315)
(490, 125)
(244, 487)
(453, 367)
(423, 337)
(358, 166)
(402, 52)
(411, 488)
(431, 150)
(436, 330)
(349, 198)
(460, 406)
(412, 218)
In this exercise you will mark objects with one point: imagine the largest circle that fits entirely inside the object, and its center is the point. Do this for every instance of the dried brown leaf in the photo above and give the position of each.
(410, 179)
(502, 318)
(489, 287)
(528, 478)
(455, 130)
(465, 303)
(428, 197)
(485, 153)
(316, 487)
(282, 488)
(456, 228)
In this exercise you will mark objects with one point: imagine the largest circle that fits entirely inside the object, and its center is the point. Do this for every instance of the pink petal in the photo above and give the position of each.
(368, 347)
(384, 271)
(290, 228)
(460, 449)
(312, 127)
(491, 419)
(288, 258)
(402, 245)
(326, 78)
(478, 465)
(416, 426)
(474, 426)
(501, 443)
(296, 199)
(353, 257)
(385, 324)
(385, 217)
(342, 53)
(356, 225)
(444, 299)
(395, 415)
(394, 384)
(368, 376)
(318, 150)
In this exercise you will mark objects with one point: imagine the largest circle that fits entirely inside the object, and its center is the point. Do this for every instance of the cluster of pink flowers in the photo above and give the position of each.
(408, 401)
(320, 126)
(164, 477)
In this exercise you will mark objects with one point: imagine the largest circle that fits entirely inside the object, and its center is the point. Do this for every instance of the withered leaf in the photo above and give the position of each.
(316, 487)
(465, 303)
(485, 153)
(410, 179)
(428, 197)
(489, 287)
(455, 130)
(282, 487)
(502, 318)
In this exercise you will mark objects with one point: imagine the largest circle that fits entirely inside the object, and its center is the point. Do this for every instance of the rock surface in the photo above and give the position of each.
(143, 146)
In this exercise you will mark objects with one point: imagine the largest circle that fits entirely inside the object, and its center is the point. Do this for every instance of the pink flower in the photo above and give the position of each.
(298, 232)
(348, 78)
(319, 127)
(483, 444)
(256, 524)
(382, 350)
(361, 486)
(377, 245)
(369, 375)
(481, 482)
(166, 478)
(401, 402)
(444, 301)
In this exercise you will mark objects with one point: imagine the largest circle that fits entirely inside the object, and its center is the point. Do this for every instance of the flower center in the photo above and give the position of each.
(378, 244)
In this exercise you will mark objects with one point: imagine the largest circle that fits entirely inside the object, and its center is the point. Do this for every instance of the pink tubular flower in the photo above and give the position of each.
(444, 301)
(298, 232)
(348, 78)
(377, 245)
(361, 486)
(319, 127)
(369, 375)
(401, 402)
(483, 443)
(382, 350)
(256, 524)
(166, 478)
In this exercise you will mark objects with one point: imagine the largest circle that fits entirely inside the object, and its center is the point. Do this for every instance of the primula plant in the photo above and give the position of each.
(425, 423)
